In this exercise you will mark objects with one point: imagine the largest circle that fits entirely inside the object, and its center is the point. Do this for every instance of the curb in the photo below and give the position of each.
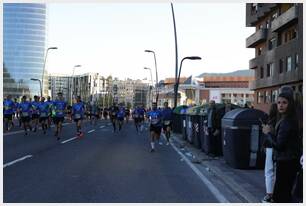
(226, 179)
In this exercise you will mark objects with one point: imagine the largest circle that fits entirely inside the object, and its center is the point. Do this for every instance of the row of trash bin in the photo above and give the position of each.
(240, 138)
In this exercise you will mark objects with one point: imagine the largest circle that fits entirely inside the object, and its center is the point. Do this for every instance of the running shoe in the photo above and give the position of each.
(267, 199)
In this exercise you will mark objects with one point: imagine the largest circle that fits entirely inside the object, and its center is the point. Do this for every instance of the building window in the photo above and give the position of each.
(272, 43)
(288, 63)
(267, 24)
(274, 95)
(259, 51)
(254, 8)
(270, 68)
(246, 95)
(281, 65)
(259, 96)
(261, 72)
(274, 16)
(267, 97)
(296, 61)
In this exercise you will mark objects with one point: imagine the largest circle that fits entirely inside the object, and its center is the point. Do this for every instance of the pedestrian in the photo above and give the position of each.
(167, 121)
(59, 110)
(50, 103)
(8, 110)
(43, 108)
(78, 109)
(35, 112)
(155, 117)
(113, 115)
(120, 116)
(285, 146)
(213, 129)
(25, 113)
(16, 106)
(269, 165)
(136, 117)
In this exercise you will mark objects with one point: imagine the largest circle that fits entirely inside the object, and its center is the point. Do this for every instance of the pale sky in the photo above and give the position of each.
(110, 38)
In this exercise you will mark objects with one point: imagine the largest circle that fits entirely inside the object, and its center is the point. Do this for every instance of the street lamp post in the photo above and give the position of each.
(179, 74)
(151, 83)
(34, 79)
(176, 52)
(72, 93)
(150, 51)
(43, 73)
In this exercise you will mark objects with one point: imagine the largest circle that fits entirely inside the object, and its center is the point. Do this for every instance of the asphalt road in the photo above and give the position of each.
(101, 167)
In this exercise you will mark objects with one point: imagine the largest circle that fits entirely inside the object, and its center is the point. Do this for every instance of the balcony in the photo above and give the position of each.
(286, 18)
(256, 38)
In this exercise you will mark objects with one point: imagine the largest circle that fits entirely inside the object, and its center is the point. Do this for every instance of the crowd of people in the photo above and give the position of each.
(30, 114)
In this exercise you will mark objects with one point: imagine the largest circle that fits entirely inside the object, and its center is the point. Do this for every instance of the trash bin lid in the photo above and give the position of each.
(177, 110)
(195, 110)
(244, 114)
(243, 118)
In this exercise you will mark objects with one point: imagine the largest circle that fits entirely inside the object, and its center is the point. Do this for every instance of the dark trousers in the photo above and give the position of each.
(214, 142)
(286, 171)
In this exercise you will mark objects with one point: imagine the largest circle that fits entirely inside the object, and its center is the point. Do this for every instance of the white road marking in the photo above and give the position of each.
(91, 131)
(17, 160)
(206, 181)
(102, 127)
(68, 140)
(21, 131)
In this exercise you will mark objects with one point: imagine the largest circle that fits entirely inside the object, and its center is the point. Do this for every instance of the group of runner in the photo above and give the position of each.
(31, 113)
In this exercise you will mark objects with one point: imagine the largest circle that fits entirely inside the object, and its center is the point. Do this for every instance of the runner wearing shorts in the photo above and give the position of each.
(59, 107)
(8, 109)
(43, 114)
(78, 109)
(25, 113)
(155, 125)
(35, 112)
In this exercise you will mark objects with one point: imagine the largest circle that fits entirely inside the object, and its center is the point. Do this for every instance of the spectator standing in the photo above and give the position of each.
(285, 146)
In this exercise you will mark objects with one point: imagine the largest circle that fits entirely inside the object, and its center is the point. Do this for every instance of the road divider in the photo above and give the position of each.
(17, 160)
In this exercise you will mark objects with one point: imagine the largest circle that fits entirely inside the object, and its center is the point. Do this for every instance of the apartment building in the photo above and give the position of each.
(278, 44)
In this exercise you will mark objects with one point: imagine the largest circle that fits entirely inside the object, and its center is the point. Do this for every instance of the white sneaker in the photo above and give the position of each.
(167, 143)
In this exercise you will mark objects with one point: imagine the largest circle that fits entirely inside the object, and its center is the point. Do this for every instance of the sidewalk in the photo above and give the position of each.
(238, 185)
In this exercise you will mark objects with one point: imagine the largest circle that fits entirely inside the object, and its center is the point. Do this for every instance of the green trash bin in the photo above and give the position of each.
(177, 120)
(195, 120)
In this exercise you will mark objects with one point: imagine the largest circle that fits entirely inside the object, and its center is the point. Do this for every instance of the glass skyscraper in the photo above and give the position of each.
(24, 42)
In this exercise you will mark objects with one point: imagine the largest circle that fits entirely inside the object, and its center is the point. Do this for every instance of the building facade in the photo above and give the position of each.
(24, 37)
(278, 44)
(60, 83)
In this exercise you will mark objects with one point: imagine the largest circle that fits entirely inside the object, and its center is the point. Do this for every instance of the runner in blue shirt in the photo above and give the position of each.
(120, 116)
(24, 109)
(50, 103)
(58, 112)
(8, 111)
(16, 103)
(35, 112)
(78, 110)
(155, 125)
(167, 121)
(43, 108)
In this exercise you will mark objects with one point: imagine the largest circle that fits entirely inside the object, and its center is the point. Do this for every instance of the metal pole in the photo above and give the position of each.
(176, 58)
(156, 78)
(40, 88)
(42, 78)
